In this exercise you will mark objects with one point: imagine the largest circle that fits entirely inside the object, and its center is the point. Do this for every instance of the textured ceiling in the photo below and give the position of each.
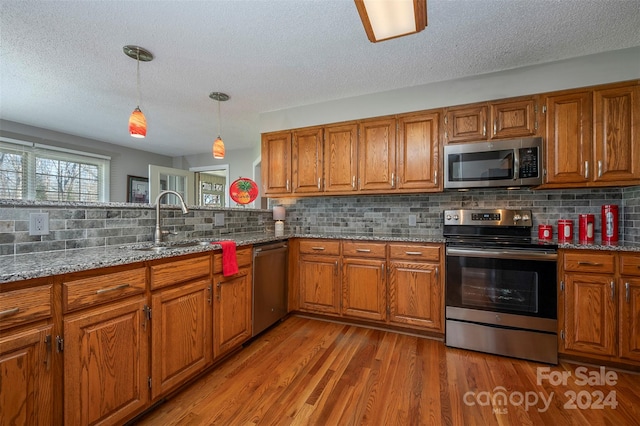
(62, 66)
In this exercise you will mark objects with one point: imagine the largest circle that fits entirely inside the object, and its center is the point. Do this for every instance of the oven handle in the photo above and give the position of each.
(502, 254)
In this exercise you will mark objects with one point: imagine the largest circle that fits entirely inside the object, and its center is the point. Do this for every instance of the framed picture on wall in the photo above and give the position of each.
(137, 189)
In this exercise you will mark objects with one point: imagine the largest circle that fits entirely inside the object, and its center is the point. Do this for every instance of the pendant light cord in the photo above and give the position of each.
(138, 76)
(219, 123)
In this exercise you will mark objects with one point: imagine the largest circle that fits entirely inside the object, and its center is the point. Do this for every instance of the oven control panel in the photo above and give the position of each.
(488, 217)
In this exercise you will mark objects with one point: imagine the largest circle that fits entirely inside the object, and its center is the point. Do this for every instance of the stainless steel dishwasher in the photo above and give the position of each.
(269, 284)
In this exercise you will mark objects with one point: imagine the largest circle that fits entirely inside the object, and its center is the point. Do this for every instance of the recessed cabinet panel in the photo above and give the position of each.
(377, 155)
(513, 119)
(307, 161)
(340, 158)
(419, 152)
(276, 163)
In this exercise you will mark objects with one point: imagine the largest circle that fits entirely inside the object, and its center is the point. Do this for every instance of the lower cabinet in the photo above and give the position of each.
(319, 276)
(26, 386)
(232, 311)
(364, 280)
(416, 287)
(106, 358)
(599, 305)
(181, 334)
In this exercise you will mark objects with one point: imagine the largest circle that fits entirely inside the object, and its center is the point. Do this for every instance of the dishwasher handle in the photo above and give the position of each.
(263, 250)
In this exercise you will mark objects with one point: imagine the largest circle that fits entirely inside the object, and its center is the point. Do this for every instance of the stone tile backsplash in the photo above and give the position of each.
(95, 225)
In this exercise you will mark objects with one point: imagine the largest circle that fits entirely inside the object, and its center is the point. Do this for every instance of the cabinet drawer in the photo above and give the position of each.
(364, 249)
(173, 272)
(22, 306)
(589, 262)
(243, 257)
(320, 247)
(630, 264)
(82, 293)
(414, 252)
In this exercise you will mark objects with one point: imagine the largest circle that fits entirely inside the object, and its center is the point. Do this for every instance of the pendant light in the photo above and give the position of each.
(218, 144)
(137, 121)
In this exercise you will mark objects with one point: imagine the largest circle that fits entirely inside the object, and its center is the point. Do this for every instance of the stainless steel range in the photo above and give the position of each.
(501, 293)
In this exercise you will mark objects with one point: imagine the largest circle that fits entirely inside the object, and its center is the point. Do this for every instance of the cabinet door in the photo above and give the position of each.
(340, 158)
(513, 119)
(276, 163)
(617, 134)
(232, 311)
(319, 284)
(307, 161)
(181, 334)
(590, 314)
(415, 294)
(569, 158)
(466, 124)
(26, 391)
(418, 151)
(629, 322)
(364, 288)
(377, 155)
(106, 359)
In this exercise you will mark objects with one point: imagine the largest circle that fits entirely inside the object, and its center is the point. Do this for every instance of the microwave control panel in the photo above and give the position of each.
(528, 162)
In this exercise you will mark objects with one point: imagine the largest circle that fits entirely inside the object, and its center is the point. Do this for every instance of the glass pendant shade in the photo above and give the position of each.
(218, 149)
(137, 124)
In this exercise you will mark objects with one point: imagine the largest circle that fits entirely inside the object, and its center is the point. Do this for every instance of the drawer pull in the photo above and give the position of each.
(110, 289)
(317, 248)
(589, 263)
(363, 250)
(626, 290)
(9, 312)
(413, 253)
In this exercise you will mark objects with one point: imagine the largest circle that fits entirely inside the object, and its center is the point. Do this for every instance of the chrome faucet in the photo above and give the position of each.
(158, 234)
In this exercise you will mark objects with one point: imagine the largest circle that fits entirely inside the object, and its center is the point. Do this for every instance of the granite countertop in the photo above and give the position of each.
(43, 264)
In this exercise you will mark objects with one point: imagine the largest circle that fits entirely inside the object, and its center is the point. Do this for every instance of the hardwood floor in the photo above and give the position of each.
(310, 372)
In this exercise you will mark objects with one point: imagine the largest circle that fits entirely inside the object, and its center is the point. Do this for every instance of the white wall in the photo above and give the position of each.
(240, 162)
(619, 65)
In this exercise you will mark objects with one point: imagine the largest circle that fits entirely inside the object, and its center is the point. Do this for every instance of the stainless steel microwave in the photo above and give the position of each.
(508, 163)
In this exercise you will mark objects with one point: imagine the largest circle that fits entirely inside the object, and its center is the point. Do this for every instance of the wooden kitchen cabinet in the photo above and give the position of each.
(26, 358)
(416, 287)
(232, 308)
(181, 333)
(364, 280)
(599, 303)
(419, 152)
(466, 123)
(307, 160)
(276, 163)
(106, 360)
(319, 276)
(340, 157)
(377, 155)
(629, 306)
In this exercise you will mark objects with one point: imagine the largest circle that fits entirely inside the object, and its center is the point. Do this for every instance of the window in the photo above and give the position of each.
(38, 172)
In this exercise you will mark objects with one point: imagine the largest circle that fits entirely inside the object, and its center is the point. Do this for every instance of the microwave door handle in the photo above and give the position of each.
(516, 164)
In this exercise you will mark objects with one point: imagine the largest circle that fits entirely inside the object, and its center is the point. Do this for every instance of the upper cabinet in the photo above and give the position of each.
(418, 152)
(340, 157)
(307, 160)
(511, 118)
(276, 163)
(592, 137)
(377, 155)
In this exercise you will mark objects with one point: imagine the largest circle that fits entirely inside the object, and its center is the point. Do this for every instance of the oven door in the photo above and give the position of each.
(520, 282)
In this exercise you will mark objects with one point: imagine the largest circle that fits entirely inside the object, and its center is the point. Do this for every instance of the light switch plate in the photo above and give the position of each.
(219, 219)
(412, 220)
(38, 223)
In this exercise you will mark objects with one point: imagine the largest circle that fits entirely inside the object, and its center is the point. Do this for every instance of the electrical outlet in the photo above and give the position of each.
(412, 220)
(38, 223)
(219, 219)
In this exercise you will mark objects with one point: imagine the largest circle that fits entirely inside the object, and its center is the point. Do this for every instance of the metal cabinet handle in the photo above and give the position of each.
(437, 273)
(435, 177)
(626, 292)
(589, 263)
(209, 292)
(613, 290)
(9, 312)
(586, 170)
(413, 253)
(318, 183)
(335, 269)
(353, 182)
(287, 184)
(495, 126)
(110, 289)
(317, 248)
(393, 184)
(599, 168)
(484, 129)
(363, 250)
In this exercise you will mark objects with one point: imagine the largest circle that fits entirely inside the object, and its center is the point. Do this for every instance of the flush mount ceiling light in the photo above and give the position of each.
(385, 19)
(137, 121)
(218, 144)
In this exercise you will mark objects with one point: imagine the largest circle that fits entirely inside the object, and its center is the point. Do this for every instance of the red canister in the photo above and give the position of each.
(609, 223)
(585, 228)
(565, 230)
(545, 232)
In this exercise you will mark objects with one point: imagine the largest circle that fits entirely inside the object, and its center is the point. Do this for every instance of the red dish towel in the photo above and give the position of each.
(229, 261)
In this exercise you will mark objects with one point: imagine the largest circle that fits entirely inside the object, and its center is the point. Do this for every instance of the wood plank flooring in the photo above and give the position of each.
(311, 372)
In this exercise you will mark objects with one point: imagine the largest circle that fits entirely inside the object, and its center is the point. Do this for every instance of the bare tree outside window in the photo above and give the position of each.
(11, 179)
